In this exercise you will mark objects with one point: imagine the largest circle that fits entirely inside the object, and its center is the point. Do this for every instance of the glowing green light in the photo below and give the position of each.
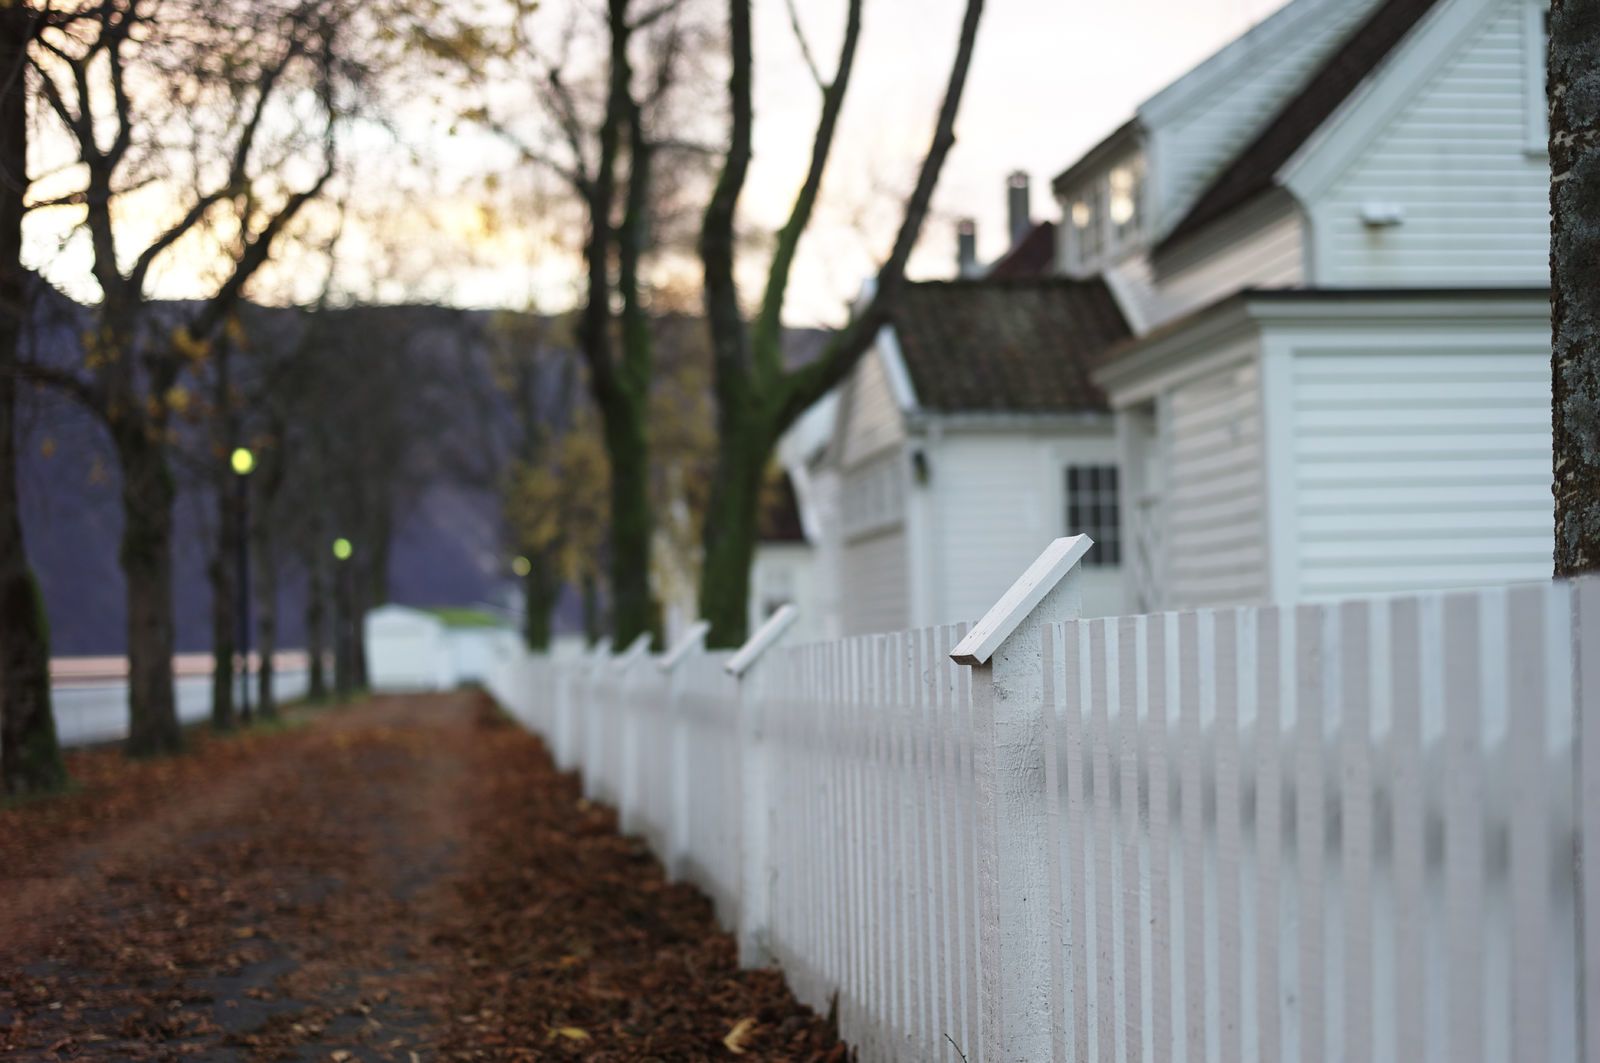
(522, 566)
(342, 549)
(244, 462)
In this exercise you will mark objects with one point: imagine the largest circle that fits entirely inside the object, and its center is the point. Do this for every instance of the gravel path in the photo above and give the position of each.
(409, 880)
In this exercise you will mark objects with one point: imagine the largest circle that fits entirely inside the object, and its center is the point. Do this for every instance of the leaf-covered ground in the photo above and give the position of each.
(409, 879)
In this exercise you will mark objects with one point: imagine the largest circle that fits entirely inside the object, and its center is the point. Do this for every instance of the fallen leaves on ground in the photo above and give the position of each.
(406, 880)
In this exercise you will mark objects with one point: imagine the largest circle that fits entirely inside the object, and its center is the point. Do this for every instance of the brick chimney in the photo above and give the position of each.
(1019, 207)
(966, 248)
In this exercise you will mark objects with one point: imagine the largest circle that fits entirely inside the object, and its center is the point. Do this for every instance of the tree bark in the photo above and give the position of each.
(1574, 93)
(266, 626)
(540, 590)
(147, 503)
(632, 522)
(316, 628)
(30, 756)
(731, 530)
(224, 609)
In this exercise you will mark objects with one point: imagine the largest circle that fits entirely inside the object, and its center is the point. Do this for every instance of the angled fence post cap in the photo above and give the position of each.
(601, 649)
(1047, 570)
(694, 638)
(636, 649)
(762, 640)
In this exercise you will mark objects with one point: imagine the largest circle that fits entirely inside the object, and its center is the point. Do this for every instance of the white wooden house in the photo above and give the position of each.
(969, 434)
(1324, 360)
(1341, 383)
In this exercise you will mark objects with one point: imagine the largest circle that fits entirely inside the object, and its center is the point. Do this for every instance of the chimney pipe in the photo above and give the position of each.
(966, 248)
(1019, 206)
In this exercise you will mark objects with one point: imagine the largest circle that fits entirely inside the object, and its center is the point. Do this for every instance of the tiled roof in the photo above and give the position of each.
(1007, 346)
(1254, 170)
(1033, 256)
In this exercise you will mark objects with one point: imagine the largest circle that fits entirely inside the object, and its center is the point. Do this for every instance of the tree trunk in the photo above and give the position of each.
(30, 757)
(732, 525)
(593, 622)
(147, 501)
(632, 524)
(1574, 92)
(344, 680)
(266, 627)
(316, 630)
(541, 591)
(224, 610)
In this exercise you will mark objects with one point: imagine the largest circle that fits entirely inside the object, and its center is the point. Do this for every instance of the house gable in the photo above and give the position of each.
(871, 419)
(1426, 177)
(1196, 125)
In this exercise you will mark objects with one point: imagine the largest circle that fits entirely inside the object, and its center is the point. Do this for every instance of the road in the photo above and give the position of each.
(90, 694)
(406, 879)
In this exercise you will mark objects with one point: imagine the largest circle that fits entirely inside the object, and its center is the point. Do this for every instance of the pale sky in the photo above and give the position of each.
(1049, 79)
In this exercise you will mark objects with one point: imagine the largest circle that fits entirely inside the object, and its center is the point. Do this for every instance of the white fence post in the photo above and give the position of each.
(1015, 926)
(627, 736)
(755, 823)
(692, 644)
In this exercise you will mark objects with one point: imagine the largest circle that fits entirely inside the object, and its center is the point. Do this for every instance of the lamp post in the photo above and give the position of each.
(244, 463)
(343, 642)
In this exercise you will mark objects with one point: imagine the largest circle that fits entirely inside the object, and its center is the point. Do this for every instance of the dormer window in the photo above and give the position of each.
(1126, 183)
(1106, 214)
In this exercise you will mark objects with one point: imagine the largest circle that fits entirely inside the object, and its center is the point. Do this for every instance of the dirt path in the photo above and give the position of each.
(406, 880)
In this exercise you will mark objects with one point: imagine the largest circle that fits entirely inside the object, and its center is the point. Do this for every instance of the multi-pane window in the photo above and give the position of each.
(1092, 510)
(1127, 188)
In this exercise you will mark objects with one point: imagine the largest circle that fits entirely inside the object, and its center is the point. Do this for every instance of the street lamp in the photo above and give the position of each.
(244, 463)
(521, 566)
(343, 622)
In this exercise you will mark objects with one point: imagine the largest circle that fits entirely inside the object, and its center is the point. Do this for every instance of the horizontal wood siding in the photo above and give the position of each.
(1421, 470)
(875, 587)
(1197, 142)
(1475, 202)
(1270, 256)
(872, 418)
(1212, 500)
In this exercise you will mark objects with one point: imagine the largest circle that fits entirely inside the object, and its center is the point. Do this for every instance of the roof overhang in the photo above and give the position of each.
(1125, 137)
(933, 422)
(1250, 311)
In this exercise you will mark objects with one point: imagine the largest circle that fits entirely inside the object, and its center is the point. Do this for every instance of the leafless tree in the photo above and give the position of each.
(231, 109)
(758, 398)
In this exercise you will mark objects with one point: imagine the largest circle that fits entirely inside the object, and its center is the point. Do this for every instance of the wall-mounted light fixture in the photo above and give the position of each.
(919, 468)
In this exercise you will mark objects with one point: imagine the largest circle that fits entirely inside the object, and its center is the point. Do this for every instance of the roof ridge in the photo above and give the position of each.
(1253, 170)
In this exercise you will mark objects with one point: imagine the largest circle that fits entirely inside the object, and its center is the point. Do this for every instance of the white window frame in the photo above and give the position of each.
(1096, 498)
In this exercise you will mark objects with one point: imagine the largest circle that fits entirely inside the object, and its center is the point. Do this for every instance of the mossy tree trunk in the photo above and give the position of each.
(1574, 93)
(146, 556)
(758, 398)
(30, 756)
(541, 591)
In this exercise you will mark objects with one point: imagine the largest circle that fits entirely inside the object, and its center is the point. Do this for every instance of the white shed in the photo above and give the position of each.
(406, 650)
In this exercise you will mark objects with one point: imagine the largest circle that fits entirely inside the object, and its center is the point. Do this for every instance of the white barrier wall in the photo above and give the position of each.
(1346, 831)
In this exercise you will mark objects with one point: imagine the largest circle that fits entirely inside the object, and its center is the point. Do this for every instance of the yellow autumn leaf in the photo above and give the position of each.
(735, 1041)
(571, 1033)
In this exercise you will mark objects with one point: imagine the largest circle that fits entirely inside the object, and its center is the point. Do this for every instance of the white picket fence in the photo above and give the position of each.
(1332, 832)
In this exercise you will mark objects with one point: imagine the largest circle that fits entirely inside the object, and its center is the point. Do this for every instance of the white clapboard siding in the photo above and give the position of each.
(1474, 200)
(871, 419)
(1269, 254)
(875, 592)
(1213, 502)
(1334, 831)
(1420, 469)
